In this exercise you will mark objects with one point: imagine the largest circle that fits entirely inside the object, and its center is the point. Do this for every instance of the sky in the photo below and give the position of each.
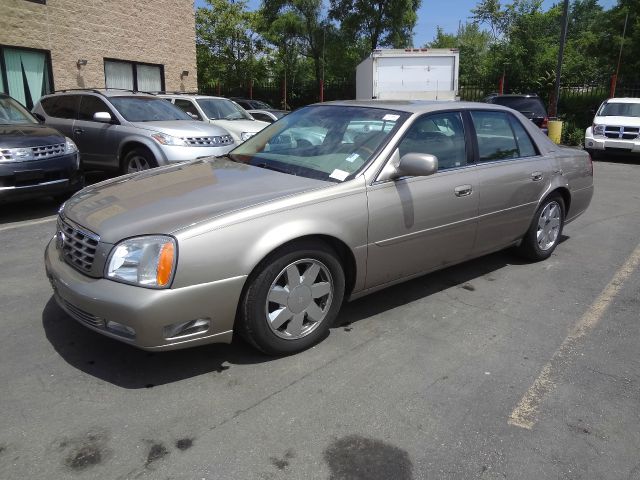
(434, 13)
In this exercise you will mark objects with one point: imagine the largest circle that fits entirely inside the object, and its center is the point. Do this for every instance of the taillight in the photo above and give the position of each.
(545, 122)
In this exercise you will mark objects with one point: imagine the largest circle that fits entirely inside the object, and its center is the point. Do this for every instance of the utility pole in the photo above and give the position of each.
(614, 80)
(563, 38)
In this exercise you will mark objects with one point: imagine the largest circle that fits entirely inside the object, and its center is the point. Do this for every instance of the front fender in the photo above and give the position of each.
(209, 253)
(157, 152)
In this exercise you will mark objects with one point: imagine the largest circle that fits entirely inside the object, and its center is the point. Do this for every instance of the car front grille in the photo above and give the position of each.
(217, 141)
(81, 315)
(41, 152)
(621, 133)
(78, 245)
(48, 151)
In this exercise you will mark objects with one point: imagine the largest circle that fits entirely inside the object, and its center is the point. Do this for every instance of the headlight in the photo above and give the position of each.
(164, 139)
(69, 146)
(598, 129)
(246, 135)
(148, 261)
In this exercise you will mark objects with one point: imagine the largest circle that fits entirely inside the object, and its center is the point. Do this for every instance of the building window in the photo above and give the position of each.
(25, 74)
(142, 77)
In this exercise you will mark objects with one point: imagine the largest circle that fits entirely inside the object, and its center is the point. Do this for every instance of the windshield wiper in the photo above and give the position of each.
(267, 166)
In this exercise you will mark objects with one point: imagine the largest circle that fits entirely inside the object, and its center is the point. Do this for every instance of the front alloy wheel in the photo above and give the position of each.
(299, 299)
(292, 298)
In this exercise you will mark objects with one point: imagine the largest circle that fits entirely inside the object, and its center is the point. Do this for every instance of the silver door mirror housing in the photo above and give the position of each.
(104, 117)
(409, 165)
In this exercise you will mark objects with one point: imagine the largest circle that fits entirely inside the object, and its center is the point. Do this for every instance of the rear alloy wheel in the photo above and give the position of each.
(291, 303)
(545, 230)
(137, 160)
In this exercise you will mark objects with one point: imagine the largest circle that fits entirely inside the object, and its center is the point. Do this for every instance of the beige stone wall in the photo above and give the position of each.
(150, 31)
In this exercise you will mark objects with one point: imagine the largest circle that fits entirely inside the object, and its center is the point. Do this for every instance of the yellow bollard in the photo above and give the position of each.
(555, 130)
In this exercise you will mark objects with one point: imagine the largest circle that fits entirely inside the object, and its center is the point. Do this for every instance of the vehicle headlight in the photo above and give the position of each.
(164, 139)
(147, 261)
(69, 146)
(246, 135)
(598, 129)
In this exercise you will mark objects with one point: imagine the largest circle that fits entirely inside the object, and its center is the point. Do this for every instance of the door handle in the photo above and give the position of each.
(463, 190)
(536, 176)
(78, 131)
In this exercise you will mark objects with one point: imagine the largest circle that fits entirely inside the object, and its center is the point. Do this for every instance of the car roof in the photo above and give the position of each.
(417, 106)
(517, 95)
(189, 95)
(106, 92)
(623, 100)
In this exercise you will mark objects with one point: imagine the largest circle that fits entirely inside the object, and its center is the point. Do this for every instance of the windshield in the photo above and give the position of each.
(11, 112)
(147, 109)
(522, 105)
(222, 109)
(619, 110)
(325, 142)
(259, 104)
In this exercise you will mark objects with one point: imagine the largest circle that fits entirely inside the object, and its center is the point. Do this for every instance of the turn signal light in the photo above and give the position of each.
(165, 264)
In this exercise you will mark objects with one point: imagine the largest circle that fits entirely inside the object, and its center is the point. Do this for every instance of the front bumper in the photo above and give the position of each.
(601, 143)
(183, 154)
(40, 177)
(96, 302)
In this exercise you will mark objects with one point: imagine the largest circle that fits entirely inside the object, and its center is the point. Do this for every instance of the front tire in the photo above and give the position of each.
(546, 228)
(137, 160)
(293, 299)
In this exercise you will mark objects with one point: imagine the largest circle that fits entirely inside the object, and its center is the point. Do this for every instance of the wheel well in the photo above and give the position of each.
(566, 197)
(345, 255)
(127, 147)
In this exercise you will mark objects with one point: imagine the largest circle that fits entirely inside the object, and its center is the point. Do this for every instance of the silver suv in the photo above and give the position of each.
(129, 131)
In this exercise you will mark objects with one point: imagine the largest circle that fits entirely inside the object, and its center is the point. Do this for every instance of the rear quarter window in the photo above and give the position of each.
(61, 106)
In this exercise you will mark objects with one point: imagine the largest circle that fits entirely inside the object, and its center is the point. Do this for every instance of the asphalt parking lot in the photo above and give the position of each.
(492, 369)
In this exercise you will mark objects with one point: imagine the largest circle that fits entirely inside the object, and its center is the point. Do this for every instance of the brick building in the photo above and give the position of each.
(48, 45)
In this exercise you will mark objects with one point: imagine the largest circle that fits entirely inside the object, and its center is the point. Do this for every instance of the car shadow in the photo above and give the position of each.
(627, 159)
(40, 207)
(131, 368)
(460, 275)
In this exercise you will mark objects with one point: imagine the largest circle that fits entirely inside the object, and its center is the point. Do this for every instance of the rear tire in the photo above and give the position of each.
(546, 228)
(137, 160)
(293, 299)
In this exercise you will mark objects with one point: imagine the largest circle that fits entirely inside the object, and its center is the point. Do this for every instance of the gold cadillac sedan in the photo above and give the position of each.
(332, 202)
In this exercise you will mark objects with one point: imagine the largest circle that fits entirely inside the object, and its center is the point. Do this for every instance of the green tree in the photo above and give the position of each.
(383, 23)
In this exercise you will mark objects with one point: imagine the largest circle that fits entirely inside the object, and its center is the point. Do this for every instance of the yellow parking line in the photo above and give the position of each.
(27, 224)
(525, 415)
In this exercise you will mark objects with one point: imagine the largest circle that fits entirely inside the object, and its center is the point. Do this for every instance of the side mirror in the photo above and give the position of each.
(39, 117)
(103, 117)
(410, 165)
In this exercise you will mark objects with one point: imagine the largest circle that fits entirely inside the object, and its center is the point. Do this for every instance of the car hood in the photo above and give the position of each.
(28, 135)
(236, 127)
(618, 121)
(182, 128)
(167, 199)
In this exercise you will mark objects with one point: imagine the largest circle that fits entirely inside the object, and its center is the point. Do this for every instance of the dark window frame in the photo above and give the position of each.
(47, 60)
(134, 64)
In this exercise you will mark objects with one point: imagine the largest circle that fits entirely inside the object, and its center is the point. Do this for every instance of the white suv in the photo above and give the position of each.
(616, 127)
(218, 111)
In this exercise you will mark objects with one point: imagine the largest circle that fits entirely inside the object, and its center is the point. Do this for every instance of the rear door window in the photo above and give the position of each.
(501, 136)
(61, 106)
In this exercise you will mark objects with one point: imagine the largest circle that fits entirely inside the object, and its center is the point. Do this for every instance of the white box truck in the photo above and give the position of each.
(409, 74)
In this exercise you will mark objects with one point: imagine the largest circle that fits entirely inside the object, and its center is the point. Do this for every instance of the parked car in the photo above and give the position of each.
(251, 104)
(34, 159)
(615, 128)
(268, 116)
(128, 131)
(268, 242)
(218, 111)
(530, 105)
